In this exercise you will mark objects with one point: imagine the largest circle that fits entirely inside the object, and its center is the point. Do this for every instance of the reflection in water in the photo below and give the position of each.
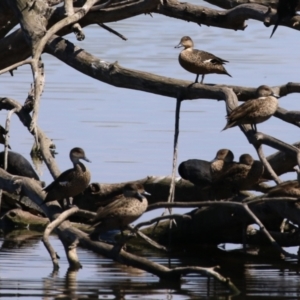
(25, 272)
(129, 135)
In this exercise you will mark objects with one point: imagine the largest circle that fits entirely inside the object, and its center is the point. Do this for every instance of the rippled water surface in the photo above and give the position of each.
(128, 135)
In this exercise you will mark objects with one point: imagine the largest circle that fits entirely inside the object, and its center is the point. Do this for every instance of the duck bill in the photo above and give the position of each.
(141, 196)
(275, 95)
(86, 159)
(178, 46)
(144, 193)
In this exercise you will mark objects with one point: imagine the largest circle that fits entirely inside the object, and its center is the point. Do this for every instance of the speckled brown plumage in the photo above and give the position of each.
(123, 211)
(221, 163)
(289, 188)
(71, 182)
(240, 176)
(199, 62)
(255, 110)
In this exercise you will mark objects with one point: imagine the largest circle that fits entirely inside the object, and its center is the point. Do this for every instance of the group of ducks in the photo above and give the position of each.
(251, 112)
(222, 172)
(116, 215)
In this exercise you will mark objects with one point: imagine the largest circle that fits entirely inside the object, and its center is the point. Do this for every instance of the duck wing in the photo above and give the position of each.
(201, 57)
(108, 211)
(242, 110)
(61, 181)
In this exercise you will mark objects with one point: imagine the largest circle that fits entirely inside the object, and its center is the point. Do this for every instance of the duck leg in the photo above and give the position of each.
(196, 80)
(254, 128)
(202, 78)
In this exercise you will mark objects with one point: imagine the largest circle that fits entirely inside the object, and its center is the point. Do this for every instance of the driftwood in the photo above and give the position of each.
(43, 26)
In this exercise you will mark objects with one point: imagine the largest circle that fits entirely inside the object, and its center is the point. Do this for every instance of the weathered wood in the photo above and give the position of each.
(233, 3)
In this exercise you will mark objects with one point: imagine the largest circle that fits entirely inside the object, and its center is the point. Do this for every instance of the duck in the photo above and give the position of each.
(18, 165)
(198, 61)
(254, 111)
(120, 213)
(242, 175)
(290, 188)
(201, 172)
(221, 163)
(71, 182)
(285, 8)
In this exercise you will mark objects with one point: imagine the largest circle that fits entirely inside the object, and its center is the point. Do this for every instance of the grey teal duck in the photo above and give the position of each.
(201, 172)
(123, 211)
(255, 110)
(221, 163)
(240, 176)
(71, 182)
(290, 188)
(198, 61)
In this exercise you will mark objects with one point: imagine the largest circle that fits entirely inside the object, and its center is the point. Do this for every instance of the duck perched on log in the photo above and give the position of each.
(71, 182)
(255, 110)
(221, 163)
(201, 172)
(240, 176)
(123, 211)
(198, 61)
(290, 188)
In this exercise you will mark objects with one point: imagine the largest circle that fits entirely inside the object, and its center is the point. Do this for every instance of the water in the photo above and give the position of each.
(129, 134)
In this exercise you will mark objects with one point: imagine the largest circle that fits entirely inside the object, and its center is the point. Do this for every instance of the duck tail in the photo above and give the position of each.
(274, 29)
(228, 74)
(228, 125)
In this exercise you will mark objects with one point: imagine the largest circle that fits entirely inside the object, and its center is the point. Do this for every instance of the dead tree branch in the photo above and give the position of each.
(234, 18)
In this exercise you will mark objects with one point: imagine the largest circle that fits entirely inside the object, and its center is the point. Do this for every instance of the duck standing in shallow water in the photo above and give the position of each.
(199, 62)
(71, 182)
(123, 211)
(255, 110)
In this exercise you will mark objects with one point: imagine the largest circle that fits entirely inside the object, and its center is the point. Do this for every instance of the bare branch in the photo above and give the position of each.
(234, 18)
(16, 65)
(112, 31)
(72, 257)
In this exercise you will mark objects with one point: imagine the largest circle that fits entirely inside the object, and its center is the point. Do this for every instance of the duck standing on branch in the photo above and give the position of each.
(255, 110)
(123, 211)
(71, 182)
(199, 62)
